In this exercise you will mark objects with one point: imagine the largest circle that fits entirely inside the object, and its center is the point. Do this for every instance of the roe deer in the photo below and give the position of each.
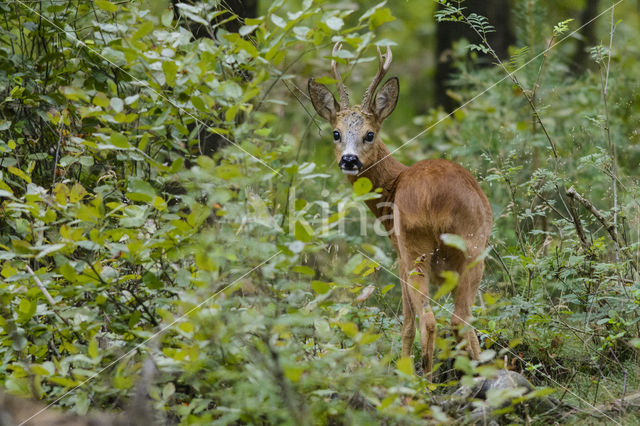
(430, 198)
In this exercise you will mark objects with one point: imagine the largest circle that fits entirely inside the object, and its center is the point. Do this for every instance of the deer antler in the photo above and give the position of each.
(383, 67)
(342, 91)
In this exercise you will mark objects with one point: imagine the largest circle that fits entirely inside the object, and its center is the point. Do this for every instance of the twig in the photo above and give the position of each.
(551, 206)
(504, 266)
(52, 302)
(144, 307)
(534, 89)
(572, 193)
(43, 289)
(608, 407)
(578, 225)
(57, 155)
(567, 388)
(595, 396)
(280, 74)
(624, 389)
(612, 149)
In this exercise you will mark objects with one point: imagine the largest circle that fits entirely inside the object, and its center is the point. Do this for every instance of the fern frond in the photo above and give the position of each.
(480, 24)
(561, 27)
(517, 58)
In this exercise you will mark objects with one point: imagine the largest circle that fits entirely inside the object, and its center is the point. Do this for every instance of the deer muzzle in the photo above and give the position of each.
(350, 164)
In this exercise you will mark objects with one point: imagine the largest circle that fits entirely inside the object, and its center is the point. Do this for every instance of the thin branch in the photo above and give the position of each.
(572, 193)
(612, 149)
(578, 225)
(52, 302)
(504, 266)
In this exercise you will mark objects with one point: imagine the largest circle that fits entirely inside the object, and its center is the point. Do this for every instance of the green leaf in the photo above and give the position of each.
(387, 288)
(152, 281)
(293, 372)
(45, 369)
(106, 5)
(199, 103)
(278, 21)
(167, 18)
(159, 203)
(228, 171)
(22, 175)
(101, 100)
(92, 350)
(464, 364)
(334, 23)
(230, 114)
(170, 70)
(368, 338)
(143, 30)
(63, 381)
(134, 216)
(380, 17)
(304, 270)
(455, 241)
(77, 193)
(26, 309)
(451, 279)
(245, 30)
(116, 104)
(247, 47)
(303, 232)
(561, 27)
(49, 249)
(372, 10)
(18, 386)
(405, 365)
(135, 318)
(140, 190)
(168, 390)
(119, 140)
(497, 397)
(320, 287)
(349, 328)
(362, 186)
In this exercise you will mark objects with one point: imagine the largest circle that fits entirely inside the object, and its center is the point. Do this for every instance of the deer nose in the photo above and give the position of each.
(350, 162)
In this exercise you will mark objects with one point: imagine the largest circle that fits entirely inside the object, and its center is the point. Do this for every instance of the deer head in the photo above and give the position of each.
(355, 128)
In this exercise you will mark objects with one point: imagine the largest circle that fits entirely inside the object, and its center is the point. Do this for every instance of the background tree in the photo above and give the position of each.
(498, 13)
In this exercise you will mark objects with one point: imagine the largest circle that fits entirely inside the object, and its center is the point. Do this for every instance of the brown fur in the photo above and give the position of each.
(430, 198)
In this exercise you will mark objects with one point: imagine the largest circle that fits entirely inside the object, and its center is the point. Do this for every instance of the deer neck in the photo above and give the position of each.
(384, 174)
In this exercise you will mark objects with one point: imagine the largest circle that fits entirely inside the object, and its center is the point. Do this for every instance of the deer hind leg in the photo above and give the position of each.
(463, 298)
(416, 287)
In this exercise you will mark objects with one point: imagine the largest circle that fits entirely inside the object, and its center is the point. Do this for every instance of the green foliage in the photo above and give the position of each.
(164, 197)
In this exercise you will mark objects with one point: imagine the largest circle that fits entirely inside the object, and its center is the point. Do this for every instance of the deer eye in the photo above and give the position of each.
(336, 135)
(369, 137)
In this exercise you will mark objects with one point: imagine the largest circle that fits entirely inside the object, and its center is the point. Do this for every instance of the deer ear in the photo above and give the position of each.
(323, 100)
(387, 98)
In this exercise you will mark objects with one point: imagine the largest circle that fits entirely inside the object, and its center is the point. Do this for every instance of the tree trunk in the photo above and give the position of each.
(581, 57)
